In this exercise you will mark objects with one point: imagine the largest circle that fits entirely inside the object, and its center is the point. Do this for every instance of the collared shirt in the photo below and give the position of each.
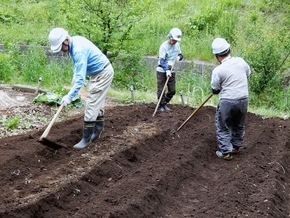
(88, 60)
(168, 53)
(231, 78)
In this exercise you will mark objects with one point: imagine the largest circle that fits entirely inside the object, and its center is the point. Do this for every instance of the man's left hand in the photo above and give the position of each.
(179, 57)
(65, 100)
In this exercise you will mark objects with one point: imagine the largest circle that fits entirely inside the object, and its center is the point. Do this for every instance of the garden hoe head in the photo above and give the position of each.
(50, 143)
(43, 140)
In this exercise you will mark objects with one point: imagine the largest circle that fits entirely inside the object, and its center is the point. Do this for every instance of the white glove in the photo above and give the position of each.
(65, 100)
(168, 73)
(179, 57)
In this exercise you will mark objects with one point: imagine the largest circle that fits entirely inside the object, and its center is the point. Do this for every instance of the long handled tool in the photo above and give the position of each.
(194, 112)
(164, 86)
(43, 138)
(160, 97)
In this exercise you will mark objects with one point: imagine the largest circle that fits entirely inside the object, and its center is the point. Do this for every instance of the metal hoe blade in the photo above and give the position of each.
(51, 144)
(43, 139)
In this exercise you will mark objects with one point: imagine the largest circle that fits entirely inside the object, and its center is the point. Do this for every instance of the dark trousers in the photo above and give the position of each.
(230, 123)
(161, 80)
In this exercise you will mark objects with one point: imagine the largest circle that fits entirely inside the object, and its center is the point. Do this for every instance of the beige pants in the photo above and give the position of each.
(99, 86)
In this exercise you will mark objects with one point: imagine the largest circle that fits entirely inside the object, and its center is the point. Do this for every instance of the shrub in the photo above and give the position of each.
(130, 71)
(6, 67)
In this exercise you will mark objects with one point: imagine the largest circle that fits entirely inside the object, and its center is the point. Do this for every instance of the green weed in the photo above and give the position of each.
(11, 123)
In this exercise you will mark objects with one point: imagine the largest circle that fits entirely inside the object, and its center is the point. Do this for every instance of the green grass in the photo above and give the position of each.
(199, 20)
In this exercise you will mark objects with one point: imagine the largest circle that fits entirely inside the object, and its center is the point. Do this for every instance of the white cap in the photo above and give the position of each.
(220, 46)
(175, 34)
(56, 37)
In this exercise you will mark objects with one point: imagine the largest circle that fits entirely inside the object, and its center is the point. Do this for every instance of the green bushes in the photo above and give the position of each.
(107, 23)
(28, 65)
(217, 19)
(131, 70)
(6, 68)
(11, 123)
(265, 66)
(32, 67)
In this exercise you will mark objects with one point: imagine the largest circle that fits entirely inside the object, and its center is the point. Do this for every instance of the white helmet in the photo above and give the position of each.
(175, 34)
(56, 37)
(220, 46)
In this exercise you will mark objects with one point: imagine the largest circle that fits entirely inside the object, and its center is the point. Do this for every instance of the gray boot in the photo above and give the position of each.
(87, 134)
(98, 129)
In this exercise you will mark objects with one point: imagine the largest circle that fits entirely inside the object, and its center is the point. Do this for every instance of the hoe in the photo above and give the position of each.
(43, 138)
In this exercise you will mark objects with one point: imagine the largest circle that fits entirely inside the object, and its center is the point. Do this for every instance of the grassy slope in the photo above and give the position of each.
(31, 23)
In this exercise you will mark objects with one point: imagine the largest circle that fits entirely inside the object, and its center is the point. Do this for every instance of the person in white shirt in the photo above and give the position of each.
(169, 52)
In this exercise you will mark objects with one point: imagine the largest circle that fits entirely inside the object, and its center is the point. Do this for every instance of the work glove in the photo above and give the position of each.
(215, 91)
(65, 100)
(168, 73)
(179, 57)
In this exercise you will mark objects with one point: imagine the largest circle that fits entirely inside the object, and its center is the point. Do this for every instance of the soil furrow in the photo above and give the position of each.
(141, 167)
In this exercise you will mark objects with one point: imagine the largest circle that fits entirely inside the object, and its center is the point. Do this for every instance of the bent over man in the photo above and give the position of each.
(88, 61)
(230, 81)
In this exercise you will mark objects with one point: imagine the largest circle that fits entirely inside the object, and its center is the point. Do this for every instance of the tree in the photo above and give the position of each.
(106, 22)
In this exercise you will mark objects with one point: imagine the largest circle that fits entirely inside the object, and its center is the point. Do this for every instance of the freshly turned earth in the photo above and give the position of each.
(142, 167)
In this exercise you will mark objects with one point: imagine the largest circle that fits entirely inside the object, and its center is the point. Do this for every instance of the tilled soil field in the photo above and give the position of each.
(142, 167)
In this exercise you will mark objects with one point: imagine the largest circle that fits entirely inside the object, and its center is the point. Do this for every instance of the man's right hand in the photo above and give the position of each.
(168, 73)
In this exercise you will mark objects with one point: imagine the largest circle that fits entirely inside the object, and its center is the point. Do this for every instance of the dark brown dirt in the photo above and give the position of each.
(141, 168)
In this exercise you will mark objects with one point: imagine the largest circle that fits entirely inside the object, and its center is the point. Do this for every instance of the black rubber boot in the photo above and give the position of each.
(87, 134)
(166, 108)
(98, 129)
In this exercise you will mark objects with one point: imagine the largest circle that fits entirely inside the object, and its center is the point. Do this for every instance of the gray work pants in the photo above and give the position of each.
(230, 123)
(99, 86)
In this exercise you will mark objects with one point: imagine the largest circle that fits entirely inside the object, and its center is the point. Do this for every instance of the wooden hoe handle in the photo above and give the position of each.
(45, 133)
(194, 112)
